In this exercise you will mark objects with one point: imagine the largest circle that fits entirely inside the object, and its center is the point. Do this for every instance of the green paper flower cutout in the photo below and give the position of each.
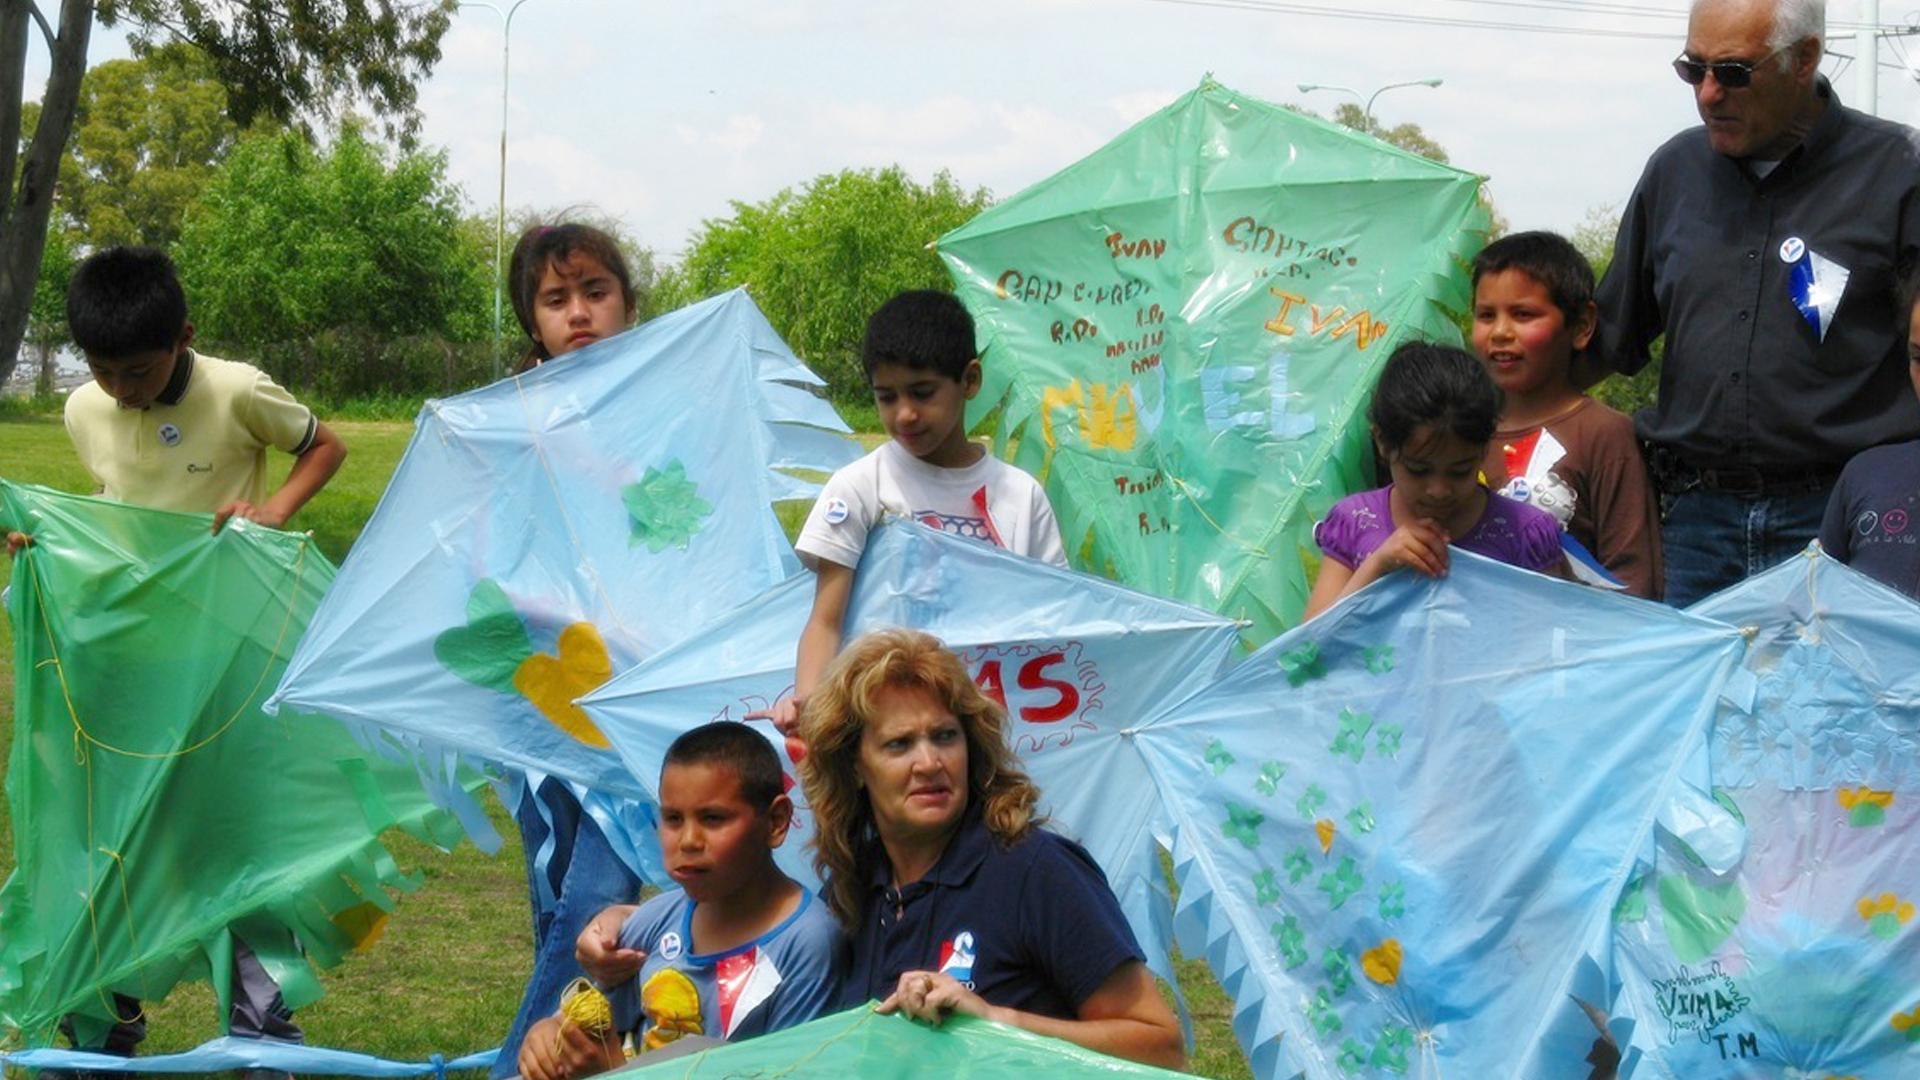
(1393, 900)
(1241, 824)
(1341, 883)
(1378, 658)
(1270, 775)
(1351, 739)
(1291, 941)
(1218, 757)
(665, 507)
(1266, 887)
(1303, 664)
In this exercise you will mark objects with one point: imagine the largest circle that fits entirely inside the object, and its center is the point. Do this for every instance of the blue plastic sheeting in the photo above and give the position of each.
(1077, 660)
(1798, 960)
(220, 1055)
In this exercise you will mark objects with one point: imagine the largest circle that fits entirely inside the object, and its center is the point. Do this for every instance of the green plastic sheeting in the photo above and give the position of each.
(156, 812)
(862, 1043)
(1182, 330)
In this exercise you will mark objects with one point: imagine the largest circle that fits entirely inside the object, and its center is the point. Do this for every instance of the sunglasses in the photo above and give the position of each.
(1730, 74)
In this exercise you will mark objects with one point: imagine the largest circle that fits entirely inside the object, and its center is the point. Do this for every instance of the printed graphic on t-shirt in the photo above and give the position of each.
(1530, 477)
(956, 958)
(672, 1005)
(746, 980)
(975, 527)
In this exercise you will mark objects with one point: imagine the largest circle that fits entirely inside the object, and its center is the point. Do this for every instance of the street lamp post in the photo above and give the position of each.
(500, 213)
(1308, 88)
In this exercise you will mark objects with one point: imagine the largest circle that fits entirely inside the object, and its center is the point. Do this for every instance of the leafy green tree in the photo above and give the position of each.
(1407, 136)
(281, 59)
(147, 135)
(820, 257)
(47, 328)
(1594, 237)
(290, 243)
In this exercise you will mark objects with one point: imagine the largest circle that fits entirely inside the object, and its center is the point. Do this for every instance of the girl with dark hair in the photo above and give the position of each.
(570, 288)
(1433, 413)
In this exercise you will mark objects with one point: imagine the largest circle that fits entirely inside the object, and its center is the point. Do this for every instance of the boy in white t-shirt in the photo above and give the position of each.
(922, 366)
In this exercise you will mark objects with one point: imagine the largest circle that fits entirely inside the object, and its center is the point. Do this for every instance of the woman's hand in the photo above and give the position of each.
(931, 995)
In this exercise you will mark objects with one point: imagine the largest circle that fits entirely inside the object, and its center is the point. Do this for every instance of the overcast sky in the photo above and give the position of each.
(659, 114)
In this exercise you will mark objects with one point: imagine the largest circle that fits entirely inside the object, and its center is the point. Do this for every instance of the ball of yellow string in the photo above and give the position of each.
(584, 1005)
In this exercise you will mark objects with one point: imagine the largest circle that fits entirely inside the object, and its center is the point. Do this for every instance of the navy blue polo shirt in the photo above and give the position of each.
(1034, 927)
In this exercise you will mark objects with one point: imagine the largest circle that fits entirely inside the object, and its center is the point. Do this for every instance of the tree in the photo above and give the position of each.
(47, 325)
(1628, 393)
(289, 243)
(279, 59)
(819, 258)
(1407, 137)
(147, 135)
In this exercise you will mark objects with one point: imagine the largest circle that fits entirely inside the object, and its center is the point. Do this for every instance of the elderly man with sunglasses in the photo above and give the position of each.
(1764, 245)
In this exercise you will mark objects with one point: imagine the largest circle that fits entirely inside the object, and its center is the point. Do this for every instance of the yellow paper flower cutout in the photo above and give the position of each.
(1382, 963)
(552, 682)
(1325, 829)
(1886, 904)
(1852, 797)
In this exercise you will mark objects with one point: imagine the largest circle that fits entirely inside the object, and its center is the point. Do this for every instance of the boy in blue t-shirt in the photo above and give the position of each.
(740, 950)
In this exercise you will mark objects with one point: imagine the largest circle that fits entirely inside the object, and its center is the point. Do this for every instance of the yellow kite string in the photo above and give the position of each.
(82, 738)
(82, 734)
(693, 1063)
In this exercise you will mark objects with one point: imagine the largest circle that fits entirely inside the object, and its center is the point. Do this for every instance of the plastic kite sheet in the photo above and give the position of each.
(156, 811)
(862, 1043)
(1183, 327)
(1800, 962)
(1077, 660)
(549, 530)
(1400, 829)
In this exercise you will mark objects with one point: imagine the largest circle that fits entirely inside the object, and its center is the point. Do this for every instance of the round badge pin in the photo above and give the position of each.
(669, 945)
(836, 511)
(1792, 248)
(169, 435)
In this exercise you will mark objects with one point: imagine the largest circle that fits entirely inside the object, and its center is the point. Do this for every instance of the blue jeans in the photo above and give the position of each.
(1714, 540)
(584, 877)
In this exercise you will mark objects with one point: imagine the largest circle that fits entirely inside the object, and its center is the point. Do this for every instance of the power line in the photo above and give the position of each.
(1456, 22)
(1273, 6)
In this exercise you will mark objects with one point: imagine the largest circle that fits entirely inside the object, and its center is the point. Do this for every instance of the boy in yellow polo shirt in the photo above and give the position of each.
(165, 427)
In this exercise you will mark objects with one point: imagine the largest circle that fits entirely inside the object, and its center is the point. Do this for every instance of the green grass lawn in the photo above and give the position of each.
(446, 975)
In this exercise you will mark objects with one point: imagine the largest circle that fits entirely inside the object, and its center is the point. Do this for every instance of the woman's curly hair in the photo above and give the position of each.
(846, 844)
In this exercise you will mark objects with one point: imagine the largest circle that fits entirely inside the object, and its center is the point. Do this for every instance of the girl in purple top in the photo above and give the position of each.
(1433, 413)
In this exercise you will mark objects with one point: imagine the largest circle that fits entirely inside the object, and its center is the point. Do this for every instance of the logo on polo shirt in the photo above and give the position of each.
(956, 958)
(169, 435)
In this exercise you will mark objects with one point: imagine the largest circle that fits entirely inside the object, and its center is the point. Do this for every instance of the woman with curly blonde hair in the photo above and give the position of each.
(934, 860)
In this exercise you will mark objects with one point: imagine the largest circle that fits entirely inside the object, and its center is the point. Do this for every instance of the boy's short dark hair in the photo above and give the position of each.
(923, 329)
(125, 300)
(732, 745)
(1548, 258)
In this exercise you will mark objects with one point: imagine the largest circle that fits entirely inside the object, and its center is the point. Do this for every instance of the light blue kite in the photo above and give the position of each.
(1076, 659)
(1400, 828)
(1800, 962)
(558, 526)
